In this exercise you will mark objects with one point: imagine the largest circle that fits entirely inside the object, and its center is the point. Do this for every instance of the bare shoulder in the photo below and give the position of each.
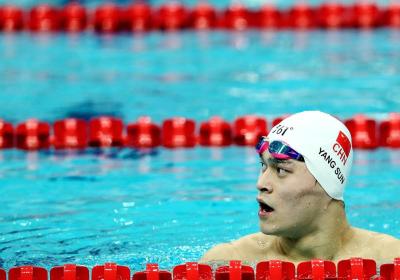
(383, 246)
(254, 241)
(218, 253)
(379, 238)
(246, 248)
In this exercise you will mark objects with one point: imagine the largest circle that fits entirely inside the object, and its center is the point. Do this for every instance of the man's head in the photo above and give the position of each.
(307, 158)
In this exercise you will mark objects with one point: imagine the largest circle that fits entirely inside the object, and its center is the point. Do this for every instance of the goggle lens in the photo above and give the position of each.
(278, 150)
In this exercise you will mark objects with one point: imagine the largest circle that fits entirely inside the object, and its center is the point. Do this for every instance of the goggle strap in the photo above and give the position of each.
(262, 147)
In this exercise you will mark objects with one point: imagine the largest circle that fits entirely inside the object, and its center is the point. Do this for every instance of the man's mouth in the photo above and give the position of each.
(265, 209)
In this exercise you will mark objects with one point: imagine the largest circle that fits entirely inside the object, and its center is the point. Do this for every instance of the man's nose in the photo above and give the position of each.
(264, 183)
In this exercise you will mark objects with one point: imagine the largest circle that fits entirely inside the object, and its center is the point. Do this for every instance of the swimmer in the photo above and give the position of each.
(305, 164)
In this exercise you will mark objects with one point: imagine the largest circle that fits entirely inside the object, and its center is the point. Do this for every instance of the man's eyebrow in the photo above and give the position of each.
(276, 161)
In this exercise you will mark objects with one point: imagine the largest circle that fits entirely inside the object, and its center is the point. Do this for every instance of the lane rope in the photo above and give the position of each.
(141, 17)
(177, 132)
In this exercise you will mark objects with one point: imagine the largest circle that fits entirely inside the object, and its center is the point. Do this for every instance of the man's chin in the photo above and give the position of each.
(269, 229)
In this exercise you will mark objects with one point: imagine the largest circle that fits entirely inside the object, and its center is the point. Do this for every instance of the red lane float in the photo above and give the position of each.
(236, 17)
(152, 273)
(192, 271)
(203, 16)
(392, 16)
(107, 18)
(316, 269)
(389, 131)
(300, 16)
(6, 135)
(33, 135)
(69, 272)
(363, 132)
(105, 132)
(171, 16)
(275, 270)
(365, 15)
(138, 17)
(235, 271)
(27, 273)
(143, 134)
(111, 271)
(70, 134)
(74, 17)
(331, 15)
(215, 132)
(391, 271)
(247, 130)
(356, 268)
(11, 18)
(44, 18)
(269, 17)
(2, 274)
(178, 132)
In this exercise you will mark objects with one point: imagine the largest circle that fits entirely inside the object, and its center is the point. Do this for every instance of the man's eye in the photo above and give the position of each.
(263, 166)
(281, 172)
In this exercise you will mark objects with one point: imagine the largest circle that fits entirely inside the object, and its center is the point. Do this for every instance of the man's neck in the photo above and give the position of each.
(325, 242)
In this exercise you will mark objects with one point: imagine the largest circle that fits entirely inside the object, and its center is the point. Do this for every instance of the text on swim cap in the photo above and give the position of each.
(339, 151)
(342, 147)
(332, 163)
(280, 129)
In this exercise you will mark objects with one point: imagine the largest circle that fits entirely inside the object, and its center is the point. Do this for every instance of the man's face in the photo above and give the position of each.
(290, 198)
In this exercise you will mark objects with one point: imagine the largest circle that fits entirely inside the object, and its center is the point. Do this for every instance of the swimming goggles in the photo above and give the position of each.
(278, 149)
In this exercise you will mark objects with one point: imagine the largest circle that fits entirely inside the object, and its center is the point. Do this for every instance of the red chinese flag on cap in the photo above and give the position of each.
(344, 142)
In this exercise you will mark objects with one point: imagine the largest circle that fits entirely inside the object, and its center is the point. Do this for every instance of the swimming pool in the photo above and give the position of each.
(169, 206)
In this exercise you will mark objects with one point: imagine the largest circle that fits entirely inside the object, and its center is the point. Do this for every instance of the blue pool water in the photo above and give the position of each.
(169, 206)
(191, 74)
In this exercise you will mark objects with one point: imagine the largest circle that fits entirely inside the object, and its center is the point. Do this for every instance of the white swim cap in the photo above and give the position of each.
(325, 144)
